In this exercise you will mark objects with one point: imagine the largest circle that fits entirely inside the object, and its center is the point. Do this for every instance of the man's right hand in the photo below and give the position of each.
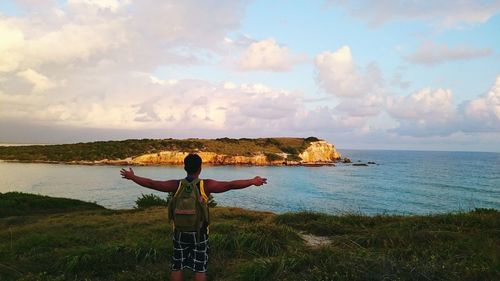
(258, 181)
(127, 174)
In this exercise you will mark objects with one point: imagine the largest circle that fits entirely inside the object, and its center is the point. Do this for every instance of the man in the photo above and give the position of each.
(190, 248)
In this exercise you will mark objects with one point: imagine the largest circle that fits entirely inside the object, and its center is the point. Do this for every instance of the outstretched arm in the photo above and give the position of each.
(166, 186)
(223, 186)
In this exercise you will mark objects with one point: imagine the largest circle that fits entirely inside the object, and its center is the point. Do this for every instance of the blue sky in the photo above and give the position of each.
(361, 74)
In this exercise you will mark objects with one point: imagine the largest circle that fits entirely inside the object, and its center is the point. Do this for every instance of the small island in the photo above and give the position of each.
(222, 151)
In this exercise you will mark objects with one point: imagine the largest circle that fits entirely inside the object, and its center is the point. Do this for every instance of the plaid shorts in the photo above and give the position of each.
(189, 252)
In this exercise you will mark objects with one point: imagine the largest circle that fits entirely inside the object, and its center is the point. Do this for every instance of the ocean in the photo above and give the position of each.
(400, 182)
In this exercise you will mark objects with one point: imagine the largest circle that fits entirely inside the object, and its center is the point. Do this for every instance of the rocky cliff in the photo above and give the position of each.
(319, 152)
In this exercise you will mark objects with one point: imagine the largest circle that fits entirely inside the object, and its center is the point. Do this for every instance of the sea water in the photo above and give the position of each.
(401, 182)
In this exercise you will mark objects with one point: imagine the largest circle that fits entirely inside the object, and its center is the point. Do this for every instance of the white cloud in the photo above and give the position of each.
(12, 40)
(483, 113)
(141, 102)
(40, 3)
(40, 82)
(424, 105)
(68, 43)
(430, 53)
(445, 13)
(267, 55)
(360, 91)
(424, 113)
(338, 74)
(83, 32)
(94, 59)
(433, 113)
(112, 5)
(91, 65)
(184, 23)
(327, 120)
(362, 107)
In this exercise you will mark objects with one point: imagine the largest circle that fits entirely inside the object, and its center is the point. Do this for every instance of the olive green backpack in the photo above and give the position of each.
(188, 208)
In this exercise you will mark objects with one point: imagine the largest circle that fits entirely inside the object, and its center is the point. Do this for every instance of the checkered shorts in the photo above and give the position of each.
(189, 252)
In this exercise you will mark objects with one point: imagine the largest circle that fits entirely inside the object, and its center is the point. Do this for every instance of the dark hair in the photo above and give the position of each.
(192, 163)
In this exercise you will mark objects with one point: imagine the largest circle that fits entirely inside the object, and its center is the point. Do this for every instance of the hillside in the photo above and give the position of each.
(223, 151)
(93, 243)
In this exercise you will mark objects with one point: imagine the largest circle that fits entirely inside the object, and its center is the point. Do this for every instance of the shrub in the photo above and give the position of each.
(151, 200)
(293, 157)
(271, 142)
(311, 139)
(273, 157)
(228, 140)
(289, 149)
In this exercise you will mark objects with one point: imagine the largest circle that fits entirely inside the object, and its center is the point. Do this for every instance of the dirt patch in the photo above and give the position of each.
(315, 241)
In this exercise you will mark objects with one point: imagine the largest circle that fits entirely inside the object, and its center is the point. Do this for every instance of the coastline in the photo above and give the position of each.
(125, 163)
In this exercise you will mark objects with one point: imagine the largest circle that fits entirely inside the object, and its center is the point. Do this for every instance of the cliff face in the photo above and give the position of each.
(177, 158)
(320, 151)
(317, 152)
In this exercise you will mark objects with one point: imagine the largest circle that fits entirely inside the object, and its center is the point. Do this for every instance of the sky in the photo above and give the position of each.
(387, 74)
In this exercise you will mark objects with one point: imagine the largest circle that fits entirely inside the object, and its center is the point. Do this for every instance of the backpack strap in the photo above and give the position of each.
(178, 188)
(202, 191)
(205, 200)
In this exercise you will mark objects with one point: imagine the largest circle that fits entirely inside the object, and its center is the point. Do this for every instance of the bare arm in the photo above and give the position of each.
(223, 186)
(166, 186)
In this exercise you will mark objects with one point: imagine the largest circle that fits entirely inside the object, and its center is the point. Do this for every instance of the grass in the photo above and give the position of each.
(19, 204)
(92, 243)
(115, 150)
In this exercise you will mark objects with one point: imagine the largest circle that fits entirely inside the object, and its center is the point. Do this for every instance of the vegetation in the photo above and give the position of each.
(152, 200)
(273, 157)
(294, 157)
(115, 150)
(19, 204)
(92, 243)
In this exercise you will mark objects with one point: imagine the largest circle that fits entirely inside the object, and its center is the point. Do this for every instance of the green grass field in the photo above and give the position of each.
(43, 238)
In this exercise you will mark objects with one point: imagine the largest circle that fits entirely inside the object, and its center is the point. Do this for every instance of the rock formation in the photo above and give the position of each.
(317, 152)
(177, 158)
(320, 151)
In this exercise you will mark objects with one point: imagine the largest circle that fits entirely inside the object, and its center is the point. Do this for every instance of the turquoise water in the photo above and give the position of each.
(402, 182)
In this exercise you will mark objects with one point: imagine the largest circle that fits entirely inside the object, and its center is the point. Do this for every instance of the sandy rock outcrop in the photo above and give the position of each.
(177, 158)
(320, 151)
(317, 152)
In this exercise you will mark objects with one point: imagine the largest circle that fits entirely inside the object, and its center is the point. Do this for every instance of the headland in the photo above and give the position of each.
(223, 151)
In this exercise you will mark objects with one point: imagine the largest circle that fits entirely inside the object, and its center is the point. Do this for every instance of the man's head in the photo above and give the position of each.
(192, 164)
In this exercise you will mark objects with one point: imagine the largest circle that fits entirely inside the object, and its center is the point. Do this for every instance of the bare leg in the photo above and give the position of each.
(177, 275)
(200, 276)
